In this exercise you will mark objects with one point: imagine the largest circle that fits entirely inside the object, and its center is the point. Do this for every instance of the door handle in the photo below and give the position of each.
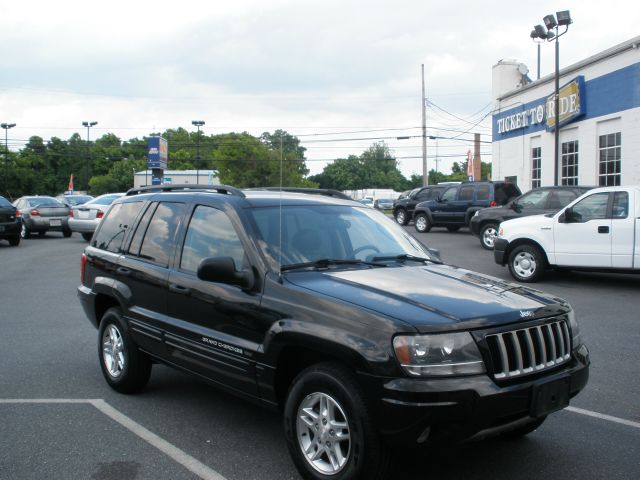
(179, 289)
(603, 229)
(123, 271)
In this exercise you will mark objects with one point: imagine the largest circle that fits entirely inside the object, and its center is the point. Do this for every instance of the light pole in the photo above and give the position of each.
(564, 20)
(88, 125)
(6, 127)
(198, 123)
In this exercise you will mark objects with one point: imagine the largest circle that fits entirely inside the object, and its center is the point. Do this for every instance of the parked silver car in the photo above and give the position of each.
(41, 214)
(86, 217)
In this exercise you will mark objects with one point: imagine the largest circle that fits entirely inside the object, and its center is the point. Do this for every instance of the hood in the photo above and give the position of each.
(531, 222)
(433, 297)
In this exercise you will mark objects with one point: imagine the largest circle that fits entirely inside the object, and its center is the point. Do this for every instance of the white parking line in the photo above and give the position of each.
(179, 456)
(602, 416)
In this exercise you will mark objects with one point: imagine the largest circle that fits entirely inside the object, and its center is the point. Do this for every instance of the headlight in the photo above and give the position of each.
(438, 355)
(575, 329)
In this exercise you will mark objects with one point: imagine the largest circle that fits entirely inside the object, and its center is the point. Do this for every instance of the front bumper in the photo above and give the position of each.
(500, 250)
(415, 412)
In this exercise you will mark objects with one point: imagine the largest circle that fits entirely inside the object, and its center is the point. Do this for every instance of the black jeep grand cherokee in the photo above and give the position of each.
(329, 311)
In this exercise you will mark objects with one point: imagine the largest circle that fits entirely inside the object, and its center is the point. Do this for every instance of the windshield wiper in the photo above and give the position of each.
(327, 262)
(404, 257)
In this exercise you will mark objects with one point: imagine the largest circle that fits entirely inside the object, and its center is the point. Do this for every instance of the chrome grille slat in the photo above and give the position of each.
(529, 350)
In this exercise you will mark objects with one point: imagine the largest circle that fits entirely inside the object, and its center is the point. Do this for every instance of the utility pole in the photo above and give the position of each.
(425, 173)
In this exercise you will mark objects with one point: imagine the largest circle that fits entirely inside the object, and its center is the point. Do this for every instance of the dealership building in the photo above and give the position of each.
(599, 136)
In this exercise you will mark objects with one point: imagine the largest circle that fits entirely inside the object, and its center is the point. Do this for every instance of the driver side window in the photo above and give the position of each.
(535, 199)
(450, 194)
(593, 207)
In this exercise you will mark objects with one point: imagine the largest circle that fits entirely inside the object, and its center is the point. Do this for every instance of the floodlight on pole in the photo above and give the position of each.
(198, 123)
(6, 127)
(88, 125)
(548, 35)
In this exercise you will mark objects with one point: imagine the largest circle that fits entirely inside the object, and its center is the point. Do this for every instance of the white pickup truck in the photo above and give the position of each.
(599, 231)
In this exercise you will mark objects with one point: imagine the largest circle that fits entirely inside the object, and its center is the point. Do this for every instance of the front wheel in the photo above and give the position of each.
(422, 223)
(527, 263)
(488, 234)
(328, 429)
(125, 368)
(14, 241)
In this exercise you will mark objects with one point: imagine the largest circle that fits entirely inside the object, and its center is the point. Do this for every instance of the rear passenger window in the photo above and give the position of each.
(466, 192)
(483, 192)
(136, 241)
(115, 225)
(161, 233)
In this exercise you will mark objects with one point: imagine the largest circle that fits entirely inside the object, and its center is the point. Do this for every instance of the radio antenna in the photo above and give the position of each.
(280, 213)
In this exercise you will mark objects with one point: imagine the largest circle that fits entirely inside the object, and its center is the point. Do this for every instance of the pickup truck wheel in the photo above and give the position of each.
(328, 429)
(422, 223)
(487, 235)
(527, 263)
(125, 368)
(401, 217)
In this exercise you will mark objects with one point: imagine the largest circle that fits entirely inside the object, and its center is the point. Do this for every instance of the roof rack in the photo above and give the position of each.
(328, 192)
(182, 187)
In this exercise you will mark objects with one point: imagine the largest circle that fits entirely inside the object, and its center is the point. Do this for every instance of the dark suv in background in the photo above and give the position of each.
(456, 205)
(484, 224)
(403, 207)
(329, 311)
(10, 225)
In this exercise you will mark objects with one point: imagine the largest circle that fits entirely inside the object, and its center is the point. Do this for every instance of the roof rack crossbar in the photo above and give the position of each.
(182, 187)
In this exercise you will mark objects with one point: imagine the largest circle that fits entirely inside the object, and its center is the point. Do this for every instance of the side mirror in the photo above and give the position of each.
(513, 205)
(568, 216)
(223, 270)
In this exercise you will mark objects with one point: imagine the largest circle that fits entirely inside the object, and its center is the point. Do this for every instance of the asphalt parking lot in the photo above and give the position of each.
(59, 419)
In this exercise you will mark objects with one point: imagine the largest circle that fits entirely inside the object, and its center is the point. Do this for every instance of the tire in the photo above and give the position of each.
(334, 389)
(401, 216)
(14, 241)
(66, 233)
(488, 234)
(453, 228)
(125, 368)
(525, 429)
(422, 223)
(25, 232)
(527, 263)
(87, 236)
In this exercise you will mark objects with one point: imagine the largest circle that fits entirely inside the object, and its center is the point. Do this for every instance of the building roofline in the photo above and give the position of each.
(631, 44)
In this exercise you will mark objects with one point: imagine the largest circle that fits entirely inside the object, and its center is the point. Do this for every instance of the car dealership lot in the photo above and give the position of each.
(61, 420)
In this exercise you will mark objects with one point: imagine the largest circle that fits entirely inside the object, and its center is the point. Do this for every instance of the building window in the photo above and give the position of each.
(570, 163)
(536, 168)
(609, 160)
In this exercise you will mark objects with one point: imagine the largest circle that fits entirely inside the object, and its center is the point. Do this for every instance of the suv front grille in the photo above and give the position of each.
(529, 350)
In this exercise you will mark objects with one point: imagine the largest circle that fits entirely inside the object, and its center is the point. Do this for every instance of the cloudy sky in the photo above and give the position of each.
(340, 75)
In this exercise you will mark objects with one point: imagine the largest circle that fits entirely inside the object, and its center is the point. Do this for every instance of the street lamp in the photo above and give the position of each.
(562, 19)
(198, 123)
(6, 127)
(88, 125)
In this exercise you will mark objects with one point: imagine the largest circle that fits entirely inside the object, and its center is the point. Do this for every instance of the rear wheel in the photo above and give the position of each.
(25, 232)
(66, 233)
(125, 368)
(401, 216)
(14, 241)
(422, 223)
(488, 234)
(527, 263)
(329, 432)
(87, 236)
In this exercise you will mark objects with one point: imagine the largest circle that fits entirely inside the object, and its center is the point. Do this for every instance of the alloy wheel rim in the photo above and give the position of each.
(113, 351)
(323, 432)
(524, 264)
(400, 217)
(421, 224)
(489, 236)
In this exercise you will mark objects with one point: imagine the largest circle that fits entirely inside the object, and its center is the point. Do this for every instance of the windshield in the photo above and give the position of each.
(317, 232)
(78, 200)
